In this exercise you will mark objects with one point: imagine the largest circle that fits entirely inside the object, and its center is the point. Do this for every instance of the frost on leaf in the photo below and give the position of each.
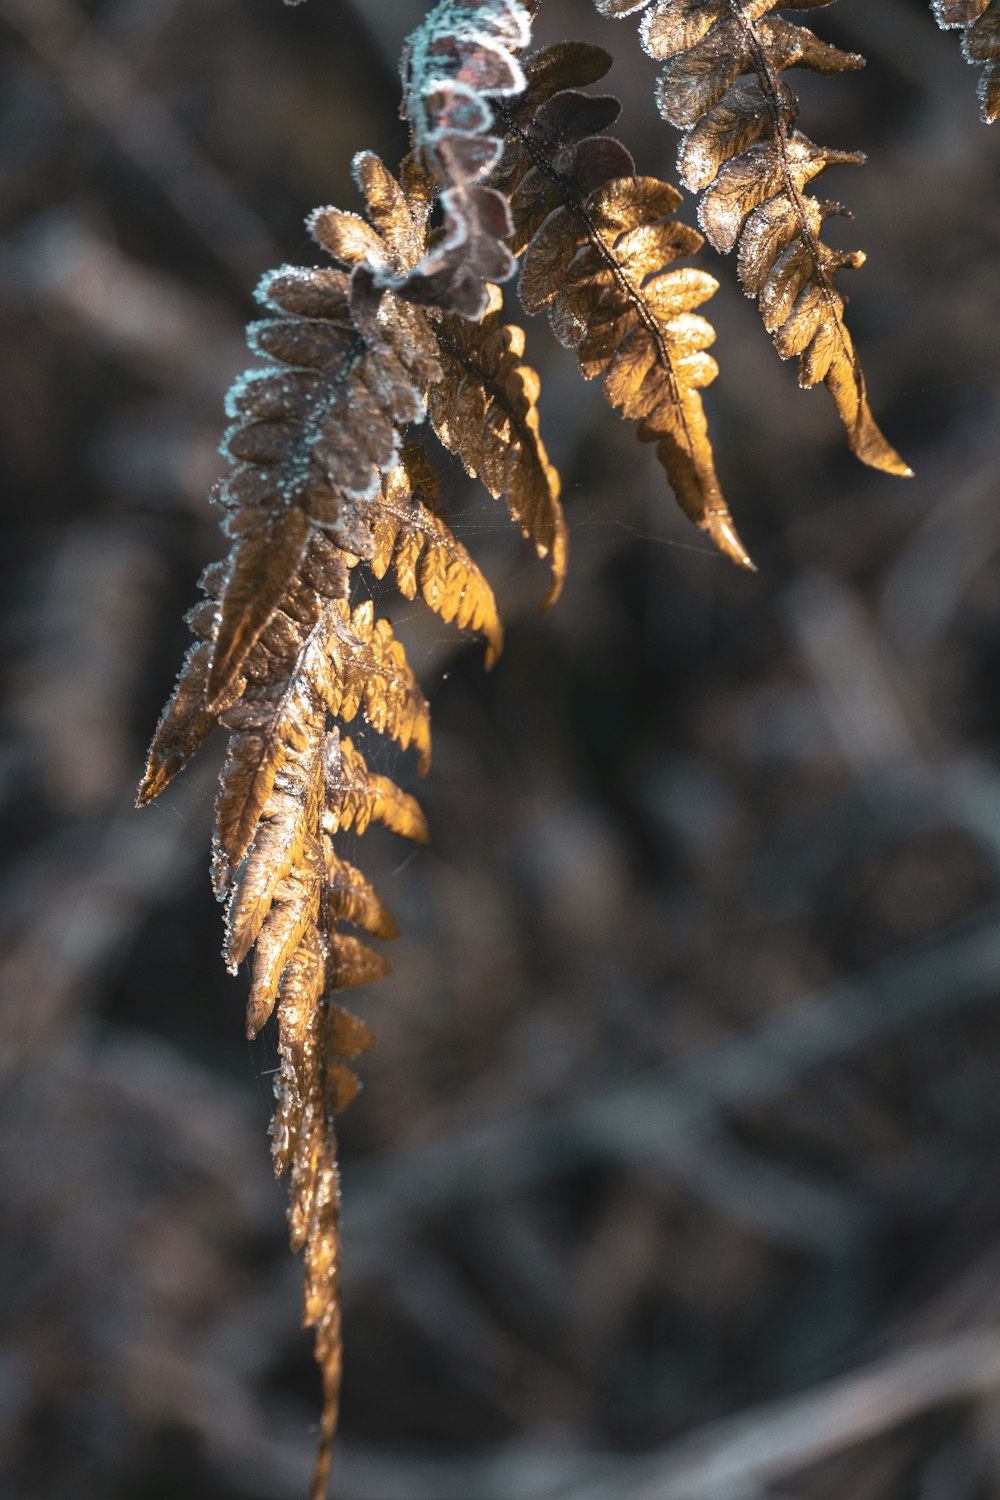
(980, 23)
(317, 424)
(456, 65)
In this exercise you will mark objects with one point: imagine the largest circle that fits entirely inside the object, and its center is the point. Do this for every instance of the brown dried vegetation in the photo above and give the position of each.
(326, 480)
(980, 24)
(721, 85)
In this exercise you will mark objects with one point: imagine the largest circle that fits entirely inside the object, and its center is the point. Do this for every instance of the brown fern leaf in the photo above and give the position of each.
(366, 667)
(357, 797)
(288, 786)
(980, 23)
(275, 893)
(291, 893)
(313, 655)
(187, 721)
(351, 898)
(412, 538)
(596, 244)
(722, 86)
(275, 897)
(313, 428)
(282, 661)
(275, 783)
(185, 724)
(480, 396)
(275, 700)
(455, 65)
(380, 252)
(312, 1086)
(484, 409)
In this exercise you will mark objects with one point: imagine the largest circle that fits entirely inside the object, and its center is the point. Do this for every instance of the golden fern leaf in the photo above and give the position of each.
(287, 787)
(980, 23)
(351, 898)
(484, 409)
(281, 656)
(304, 660)
(469, 369)
(357, 797)
(411, 537)
(184, 725)
(313, 428)
(275, 896)
(596, 244)
(721, 86)
(301, 960)
(187, 721)
(364, 666)
(312, 1086)
(278, 699)
(480, 396)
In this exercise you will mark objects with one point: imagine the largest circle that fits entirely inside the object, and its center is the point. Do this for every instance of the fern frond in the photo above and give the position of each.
(596, 244)
(185, 724)
(351, 898)
(278, 883)
(980, 23)
(323, 482)
(721, 85)
(288, 786)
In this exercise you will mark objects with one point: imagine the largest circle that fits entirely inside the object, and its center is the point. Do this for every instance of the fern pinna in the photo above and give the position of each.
(979, 21)
(328, 482)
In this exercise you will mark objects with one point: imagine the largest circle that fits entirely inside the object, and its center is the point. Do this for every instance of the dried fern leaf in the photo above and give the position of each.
(455, 66)
(313, 428)
(484, 408)
(279, 707)
(286, 840)
(596, 245)
(184, 726)
(303, 1142)
(286, 788)
(187, 720)
(351, 898)
(721, 85)
(268, 548)
(350, 963)
(411, 537)
(481, 397)
(357, 797)
(364, 666)
(321, 479)
(314, 653)
(980, 23)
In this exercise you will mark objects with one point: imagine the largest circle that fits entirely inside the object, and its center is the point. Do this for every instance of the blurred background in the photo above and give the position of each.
(676, 1174)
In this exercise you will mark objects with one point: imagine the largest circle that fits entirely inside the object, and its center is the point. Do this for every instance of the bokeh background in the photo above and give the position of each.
(676, 1174)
